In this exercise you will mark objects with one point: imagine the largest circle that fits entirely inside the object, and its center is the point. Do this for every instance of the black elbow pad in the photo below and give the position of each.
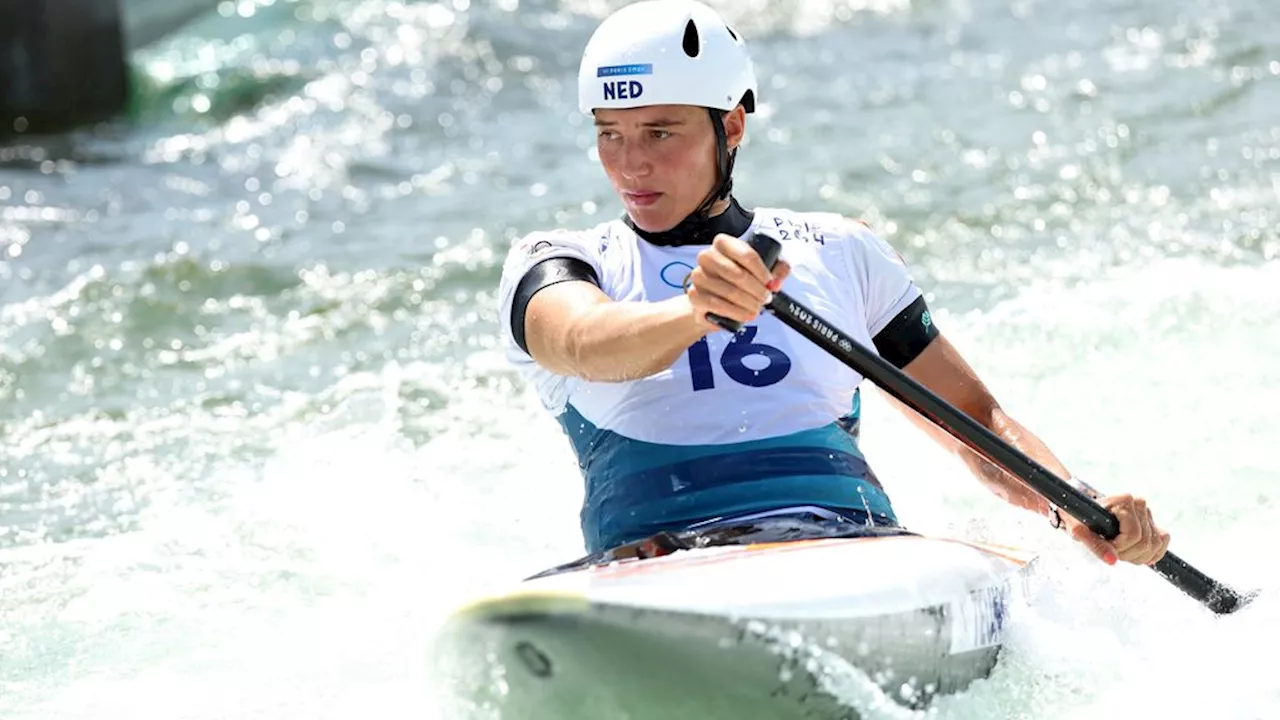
(545, 274)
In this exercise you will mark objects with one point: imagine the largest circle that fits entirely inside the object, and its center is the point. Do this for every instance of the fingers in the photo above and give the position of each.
(781, 271)
(722, 277)
(732, 281)
(1135, 531)
(741, 254)
(1140, 541)
(705, 302)
(1155, 541)
(1100, 548)
(1164, 548)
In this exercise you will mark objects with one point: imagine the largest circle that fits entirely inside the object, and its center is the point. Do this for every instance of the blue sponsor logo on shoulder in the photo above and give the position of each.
(616, 70)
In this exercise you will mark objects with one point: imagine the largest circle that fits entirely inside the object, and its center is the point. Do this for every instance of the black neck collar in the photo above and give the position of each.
(700, 230)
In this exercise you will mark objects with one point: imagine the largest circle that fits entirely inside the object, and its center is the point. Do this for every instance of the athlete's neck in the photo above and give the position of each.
(731, 219)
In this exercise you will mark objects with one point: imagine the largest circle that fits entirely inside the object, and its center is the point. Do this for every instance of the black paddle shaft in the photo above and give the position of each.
(1217, 597)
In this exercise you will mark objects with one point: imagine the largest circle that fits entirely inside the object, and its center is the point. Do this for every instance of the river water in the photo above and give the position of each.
(256, 436)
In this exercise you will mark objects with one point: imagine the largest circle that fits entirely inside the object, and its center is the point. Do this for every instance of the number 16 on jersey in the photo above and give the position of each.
(776, 364)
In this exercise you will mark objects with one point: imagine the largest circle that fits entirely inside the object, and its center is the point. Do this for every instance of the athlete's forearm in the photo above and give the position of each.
(618, 341)
(1004, 485)
(989, 474)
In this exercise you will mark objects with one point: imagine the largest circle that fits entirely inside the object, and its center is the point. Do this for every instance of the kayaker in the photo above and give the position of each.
(676, 423)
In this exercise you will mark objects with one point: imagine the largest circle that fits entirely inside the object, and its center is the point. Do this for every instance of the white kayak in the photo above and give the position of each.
(740, 631)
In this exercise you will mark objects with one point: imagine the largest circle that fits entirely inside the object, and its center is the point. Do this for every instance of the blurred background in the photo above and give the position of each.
(256, 436)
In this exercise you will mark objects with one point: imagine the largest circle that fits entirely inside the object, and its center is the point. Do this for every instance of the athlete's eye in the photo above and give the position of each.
(608, 135)
(659, 134)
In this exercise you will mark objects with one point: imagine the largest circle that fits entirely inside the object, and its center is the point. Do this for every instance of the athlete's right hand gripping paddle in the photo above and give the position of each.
(768, 249)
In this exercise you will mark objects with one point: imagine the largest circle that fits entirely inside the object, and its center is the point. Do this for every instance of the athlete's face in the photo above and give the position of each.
(662, 159)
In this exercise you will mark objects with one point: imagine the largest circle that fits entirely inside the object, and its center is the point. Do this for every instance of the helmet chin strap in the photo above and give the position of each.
(697, 228)
(724, 167)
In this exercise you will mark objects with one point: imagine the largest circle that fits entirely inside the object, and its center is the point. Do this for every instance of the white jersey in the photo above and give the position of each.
(740, 423)
(764, 382)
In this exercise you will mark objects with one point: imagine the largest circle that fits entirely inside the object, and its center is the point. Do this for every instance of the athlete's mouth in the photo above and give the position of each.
(641, 197)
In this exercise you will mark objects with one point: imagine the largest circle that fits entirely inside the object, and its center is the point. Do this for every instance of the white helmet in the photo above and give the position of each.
(666, 52)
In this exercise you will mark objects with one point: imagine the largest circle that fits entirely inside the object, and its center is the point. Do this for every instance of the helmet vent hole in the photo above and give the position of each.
(732, 34)
(691, 39)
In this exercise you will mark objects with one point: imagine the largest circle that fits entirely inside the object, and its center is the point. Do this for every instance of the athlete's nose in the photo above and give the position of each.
(634, 162)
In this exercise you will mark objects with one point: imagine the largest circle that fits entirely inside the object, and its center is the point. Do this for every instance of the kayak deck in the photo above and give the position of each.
(677, 636)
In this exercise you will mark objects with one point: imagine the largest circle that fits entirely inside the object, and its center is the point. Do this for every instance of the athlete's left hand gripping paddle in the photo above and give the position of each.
(1215, 595)
(769, 249)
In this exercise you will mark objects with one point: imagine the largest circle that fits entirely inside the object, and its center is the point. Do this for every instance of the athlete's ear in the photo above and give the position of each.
(735, 127)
